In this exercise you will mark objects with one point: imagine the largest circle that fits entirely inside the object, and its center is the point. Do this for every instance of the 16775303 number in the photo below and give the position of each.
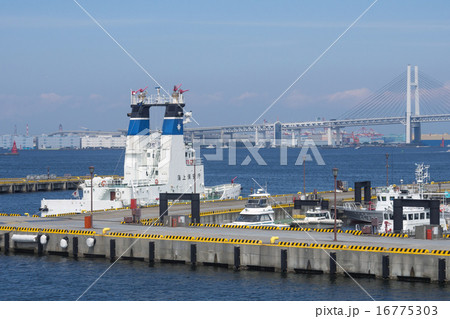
(407, 310)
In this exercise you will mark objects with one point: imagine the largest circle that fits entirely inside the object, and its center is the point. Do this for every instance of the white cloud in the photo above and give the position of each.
(246, 95)
(297, 98)
(53, 98)
(94, 96)
(355, 94)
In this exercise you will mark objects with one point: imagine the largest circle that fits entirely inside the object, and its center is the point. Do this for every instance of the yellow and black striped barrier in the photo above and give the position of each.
(149, 236)
(366, 248)
(393, 235)
(327, 246)
(235, 226)
(295, 229)
(81, 232)
(265, 227)
(292, 244)
(409, 250)
(245, 241)
(446, 236)
(7, 228)
(211, 239)
(171, 237)
(354, 232)
(441, 252)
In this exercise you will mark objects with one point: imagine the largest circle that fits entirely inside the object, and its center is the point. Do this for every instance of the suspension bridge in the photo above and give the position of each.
(394, 103)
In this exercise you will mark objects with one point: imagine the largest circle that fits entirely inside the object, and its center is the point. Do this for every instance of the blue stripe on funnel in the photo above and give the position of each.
(172, 127)
(139, 127)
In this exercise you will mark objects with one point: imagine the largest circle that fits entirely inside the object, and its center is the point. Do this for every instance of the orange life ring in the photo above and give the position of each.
(156, 181)
(192, 162)
(103, 183)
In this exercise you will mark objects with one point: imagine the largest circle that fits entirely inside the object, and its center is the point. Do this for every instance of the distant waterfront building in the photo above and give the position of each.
(435, 139)
(103, 141)
(55, 142)
(22, 142)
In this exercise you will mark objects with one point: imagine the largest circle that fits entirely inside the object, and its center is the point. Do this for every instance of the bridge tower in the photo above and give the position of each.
(415, 126)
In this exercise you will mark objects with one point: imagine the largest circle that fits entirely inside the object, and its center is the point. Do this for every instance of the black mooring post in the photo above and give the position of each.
(6, 245)
(385, 267)
(237, 257)
(163, 206)
(112, 250)
(195, 208)
(441, 272)
(193, 254)
(332, 263)
(75, 247)
(398, 216)
(434, 212)
(284, 260)
(40, 247)
(151, 253)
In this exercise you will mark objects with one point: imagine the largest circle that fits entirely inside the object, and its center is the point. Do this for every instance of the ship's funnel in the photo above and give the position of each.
(139, 120)
(173, 120)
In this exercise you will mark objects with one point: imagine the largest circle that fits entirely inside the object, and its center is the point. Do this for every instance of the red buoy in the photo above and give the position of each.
(14, 149)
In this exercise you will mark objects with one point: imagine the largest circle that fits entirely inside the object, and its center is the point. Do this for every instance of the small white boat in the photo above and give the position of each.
(317, 218)
(210, 146)
(257, 211)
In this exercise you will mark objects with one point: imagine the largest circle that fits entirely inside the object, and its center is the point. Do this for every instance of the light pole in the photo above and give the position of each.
(91, 170)
(304, 176)
(335, 173)
(387, 169)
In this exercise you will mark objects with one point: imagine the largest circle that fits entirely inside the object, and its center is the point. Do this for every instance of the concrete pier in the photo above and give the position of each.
(24, 185)
(295, 250)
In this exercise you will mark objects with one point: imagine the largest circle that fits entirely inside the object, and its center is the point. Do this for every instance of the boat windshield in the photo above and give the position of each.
(253, 218)
(256, 202)
(321, 214)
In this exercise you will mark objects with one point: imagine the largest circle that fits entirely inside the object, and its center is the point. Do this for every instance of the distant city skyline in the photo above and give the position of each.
(235, 57)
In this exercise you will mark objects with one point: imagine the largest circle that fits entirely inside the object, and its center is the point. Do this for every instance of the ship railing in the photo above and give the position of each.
(150, 99)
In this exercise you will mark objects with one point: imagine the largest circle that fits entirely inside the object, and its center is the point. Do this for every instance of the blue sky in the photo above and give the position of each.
(235, 57)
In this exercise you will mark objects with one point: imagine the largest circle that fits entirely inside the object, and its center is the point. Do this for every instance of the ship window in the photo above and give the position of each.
(199, 175)
(422, 215)
(248, 218)
(379, 199)
(428, 215)
(391, 216)
(179, 177)
(185, 154)
(386, 216)
(404, 217)
(410, 216)
(383, 198)
(265, 218)
(416, 216)
(189, 176)
(392, 198)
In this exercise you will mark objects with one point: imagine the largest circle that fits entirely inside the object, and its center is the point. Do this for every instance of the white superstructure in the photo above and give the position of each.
(155, 162)
(257, 211)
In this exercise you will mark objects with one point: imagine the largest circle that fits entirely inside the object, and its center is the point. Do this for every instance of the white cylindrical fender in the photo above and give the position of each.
(90, 242)
(19, 238)
(64, 242)
(44, 239)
